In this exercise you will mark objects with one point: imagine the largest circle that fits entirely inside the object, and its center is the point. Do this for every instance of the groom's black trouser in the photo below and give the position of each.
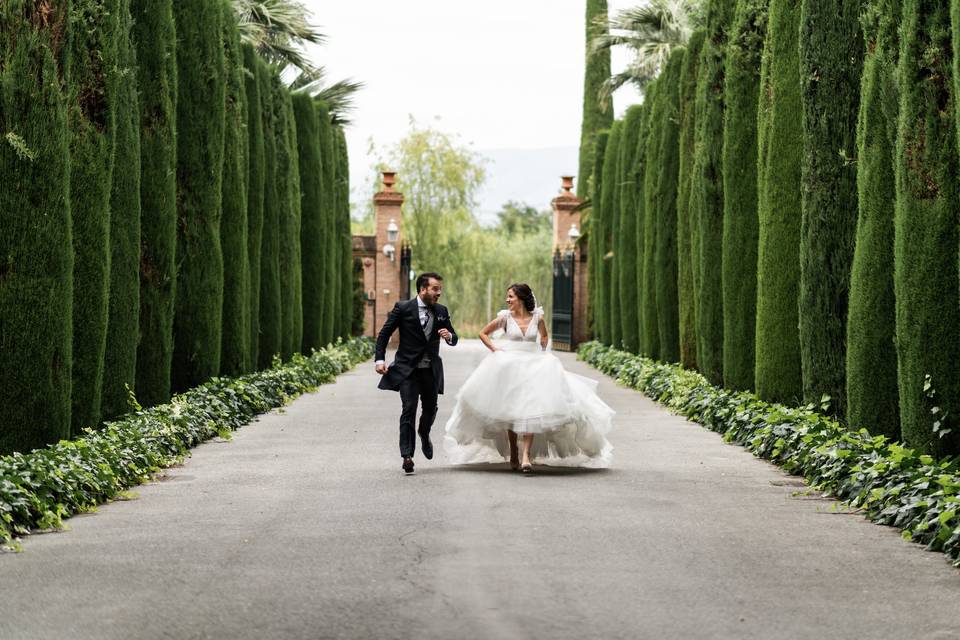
(419, 385)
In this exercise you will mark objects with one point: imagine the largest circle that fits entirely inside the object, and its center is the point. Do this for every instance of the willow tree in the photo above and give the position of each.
(93, 114)
(345, 303)
(665, 216)
(329, 291)
(234, 226)
(595, 234)
(740, 224)
(198, 312)
(610, 202)
(255, 189)
(271, 330)
(925, 245)
(597, 114)
(155, 37)
(120, 356)
(313, 252)
(872, 395)
(630, 217)
(779, 143)
(687, 262)
(707, 190)
(831, 62)
(36, 271)
(649, 173)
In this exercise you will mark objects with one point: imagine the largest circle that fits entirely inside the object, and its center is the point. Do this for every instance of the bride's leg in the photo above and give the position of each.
(527, 445)
(514, 454)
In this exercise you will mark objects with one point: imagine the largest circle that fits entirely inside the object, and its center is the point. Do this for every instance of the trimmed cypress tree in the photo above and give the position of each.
(120, 357)
(198, 312)
(155, 38)
(648, 177)
(779, 145)
(271, 330)
(288, 226)
(235, 342)
(93, 133)
(595, 248)
(346, 248)
(740, 223)
(665, 217)
(596, 116)
(707, 190)
(925, 244)
(831, 62)
(36, 268)
(313, 251)
(687, 264)
(611, 203)
(872, 395)
(631, 216)
(296, 286)
(329, 290)
(255, 189)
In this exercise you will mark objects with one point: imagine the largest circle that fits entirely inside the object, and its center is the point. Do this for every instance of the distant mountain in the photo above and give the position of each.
(530, 176)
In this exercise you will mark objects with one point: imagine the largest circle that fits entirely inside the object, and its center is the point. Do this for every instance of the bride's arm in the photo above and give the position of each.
(542, 326)
(487, 330)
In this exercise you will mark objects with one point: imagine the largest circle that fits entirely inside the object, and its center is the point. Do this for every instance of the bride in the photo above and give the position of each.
(520, 389)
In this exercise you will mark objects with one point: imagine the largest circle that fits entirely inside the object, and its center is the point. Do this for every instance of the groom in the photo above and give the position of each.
(416, 371)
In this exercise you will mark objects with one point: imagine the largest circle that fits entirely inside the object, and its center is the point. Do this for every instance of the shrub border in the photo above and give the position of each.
(38, 490)
(889, 483)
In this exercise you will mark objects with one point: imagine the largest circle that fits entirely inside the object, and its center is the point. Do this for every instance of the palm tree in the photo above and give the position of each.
(278, 29)
(651, 31)
(338, 96)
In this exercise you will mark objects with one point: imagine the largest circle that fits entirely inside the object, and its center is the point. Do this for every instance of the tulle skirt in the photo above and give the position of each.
(529, 392)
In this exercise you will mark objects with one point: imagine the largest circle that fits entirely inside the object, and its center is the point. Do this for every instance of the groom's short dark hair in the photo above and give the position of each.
(424, 280)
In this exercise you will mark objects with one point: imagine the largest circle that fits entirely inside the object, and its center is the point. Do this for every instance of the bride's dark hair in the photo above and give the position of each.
(525, 293)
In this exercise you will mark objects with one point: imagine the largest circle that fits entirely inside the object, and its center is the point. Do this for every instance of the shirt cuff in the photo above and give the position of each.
(379, 362)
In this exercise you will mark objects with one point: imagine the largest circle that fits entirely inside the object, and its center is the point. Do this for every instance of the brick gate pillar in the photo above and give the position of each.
(566, 233)
(387, 205)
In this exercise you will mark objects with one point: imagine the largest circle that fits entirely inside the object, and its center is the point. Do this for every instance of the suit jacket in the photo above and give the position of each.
(405, 317)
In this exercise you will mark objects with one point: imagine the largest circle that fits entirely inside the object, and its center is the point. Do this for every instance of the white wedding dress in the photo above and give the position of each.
(522, 388)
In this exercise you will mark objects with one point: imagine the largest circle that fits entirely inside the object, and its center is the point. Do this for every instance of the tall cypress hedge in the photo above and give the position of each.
(329, 290)
(595, 235)
(36, 268)
(271, 336)
(925, 245)
(235, 341)
(155, 37)
(649, 174)
(296, 338)
(831, 62)
(687, 263)
(596, 116)
(740, 223)
(92, 120)
(631, 215)
(611, 203)
(313, 251)
(707, 190)
(288, 207)
(343, 236)
(255, 190)
(665, 217)
(120, 357)
(872, 395)
(779, 143)
(198, 313)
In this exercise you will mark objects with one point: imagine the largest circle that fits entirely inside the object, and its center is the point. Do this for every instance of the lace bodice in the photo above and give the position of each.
(512, 331)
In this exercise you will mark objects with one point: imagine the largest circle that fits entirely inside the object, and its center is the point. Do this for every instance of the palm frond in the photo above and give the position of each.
(278, 29)
(338, 96)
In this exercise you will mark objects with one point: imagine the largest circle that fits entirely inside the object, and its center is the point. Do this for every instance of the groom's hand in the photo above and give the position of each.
(445, 334)
(382, 368)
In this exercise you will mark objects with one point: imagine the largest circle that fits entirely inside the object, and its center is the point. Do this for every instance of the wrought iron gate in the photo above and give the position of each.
(562, 324)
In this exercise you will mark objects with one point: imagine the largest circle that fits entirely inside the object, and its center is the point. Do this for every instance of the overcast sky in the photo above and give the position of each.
(500, 74)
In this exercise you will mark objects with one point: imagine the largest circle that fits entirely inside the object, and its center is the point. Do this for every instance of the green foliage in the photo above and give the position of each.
(925, 245)
(270, 343)
(313, 250)
(358, 305)
(198, 309)
(120, 357)
(288, 192)
(687, 231)
(325, 130)
(665, 215)
(630, 224)
(594, 229)
(648, 175)
(518, 218)
(605, 242)
(597, 114)
(255, 193)
(155, 38)
(707, 191)
(780, 142)
(93, 115)
(235, 343)
(740, 223)
(872, 395)
(41, 489)
(344, 245)
(831, 63)
(891, 484)
(36, 254)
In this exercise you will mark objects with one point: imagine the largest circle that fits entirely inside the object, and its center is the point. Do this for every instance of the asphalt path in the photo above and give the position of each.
(304, 526)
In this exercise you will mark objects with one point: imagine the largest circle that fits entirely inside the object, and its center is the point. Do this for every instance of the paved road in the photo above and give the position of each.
(304, 527)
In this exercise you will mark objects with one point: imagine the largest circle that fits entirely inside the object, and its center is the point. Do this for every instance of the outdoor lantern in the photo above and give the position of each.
(390, 251)
(573, 234)
(393, 232)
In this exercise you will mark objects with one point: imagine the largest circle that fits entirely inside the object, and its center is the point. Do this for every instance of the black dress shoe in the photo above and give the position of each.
(408, 465)
(426, 446)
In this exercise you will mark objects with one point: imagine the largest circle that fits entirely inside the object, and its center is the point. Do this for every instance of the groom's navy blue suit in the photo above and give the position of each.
(417, 370)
